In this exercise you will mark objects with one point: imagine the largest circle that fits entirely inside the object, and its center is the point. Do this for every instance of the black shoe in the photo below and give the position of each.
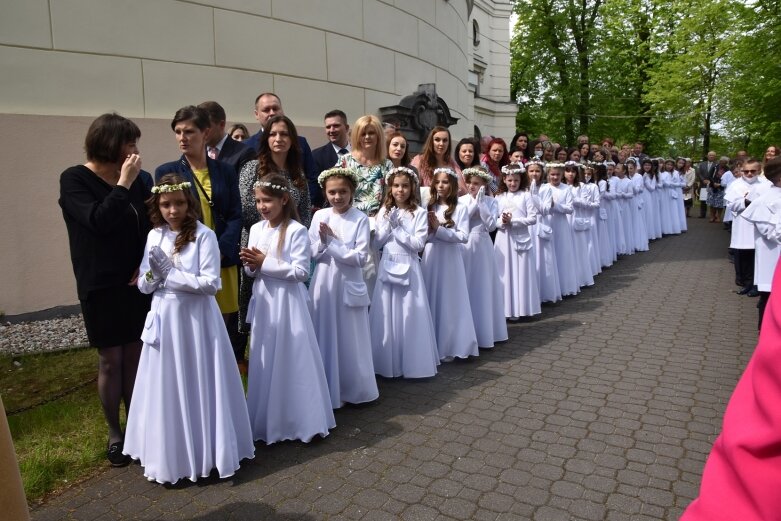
(115, 456)
(745, 290)
(752, 293)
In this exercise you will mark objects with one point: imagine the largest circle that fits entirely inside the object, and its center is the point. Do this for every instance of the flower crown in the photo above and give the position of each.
(477, 171)
(535, 161)
(445, 170)
(164, 189)
(266, 184)
(572, 163)
(553, 164)
(338, 170)
(401, 170)
(513, 168)
(609, 163)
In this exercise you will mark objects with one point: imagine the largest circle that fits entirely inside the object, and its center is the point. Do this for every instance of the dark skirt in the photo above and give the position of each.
(115, 316)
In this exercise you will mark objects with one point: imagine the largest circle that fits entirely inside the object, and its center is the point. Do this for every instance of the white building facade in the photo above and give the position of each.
(64, 62)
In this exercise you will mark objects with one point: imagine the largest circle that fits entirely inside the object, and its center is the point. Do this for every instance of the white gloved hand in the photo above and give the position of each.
(394, 217)
(481, 195)
(159, 263)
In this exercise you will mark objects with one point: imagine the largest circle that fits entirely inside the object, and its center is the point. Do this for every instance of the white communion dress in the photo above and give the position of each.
(402, 331)
(340, 305)
(486, 294)
(515, 256)
(445, 280)
(287, 395)
(188, 414)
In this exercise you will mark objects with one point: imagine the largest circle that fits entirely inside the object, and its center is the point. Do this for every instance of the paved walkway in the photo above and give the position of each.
(604, 408)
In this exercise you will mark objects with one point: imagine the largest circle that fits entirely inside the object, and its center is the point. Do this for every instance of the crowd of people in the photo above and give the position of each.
(334, 265)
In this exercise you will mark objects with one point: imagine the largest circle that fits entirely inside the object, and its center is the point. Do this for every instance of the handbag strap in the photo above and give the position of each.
(198, 183)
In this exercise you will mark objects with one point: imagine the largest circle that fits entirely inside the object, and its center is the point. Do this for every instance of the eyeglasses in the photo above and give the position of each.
(749, 171)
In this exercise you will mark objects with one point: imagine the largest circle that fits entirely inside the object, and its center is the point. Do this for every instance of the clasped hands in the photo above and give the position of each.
(252, 258)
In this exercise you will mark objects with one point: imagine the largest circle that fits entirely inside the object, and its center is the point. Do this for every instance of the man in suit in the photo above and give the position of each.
(705, 172)
(268, 104)
(337, 130)
(219, 145)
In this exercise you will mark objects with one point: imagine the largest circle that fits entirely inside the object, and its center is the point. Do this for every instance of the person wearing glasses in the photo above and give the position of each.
(738, 196)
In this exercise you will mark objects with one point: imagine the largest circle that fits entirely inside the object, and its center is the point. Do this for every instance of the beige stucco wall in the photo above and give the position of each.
(64, 62)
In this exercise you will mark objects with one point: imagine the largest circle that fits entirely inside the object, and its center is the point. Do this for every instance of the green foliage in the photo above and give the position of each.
(60, 437)
(676, 74)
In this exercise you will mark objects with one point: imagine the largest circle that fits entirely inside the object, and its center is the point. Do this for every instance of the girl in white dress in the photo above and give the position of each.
(607, 251)
(339, 238)
(615, 212)
(188, 414)
(626, 193)
(545, 253)
(443, 269)
(402, 332)
(667, 208)
(514, 245)
(680, 212)
(637, 205)
(486, 294)
(592, 200)
(555, 205)
(653, 223)
(580, 221)
(287, 395)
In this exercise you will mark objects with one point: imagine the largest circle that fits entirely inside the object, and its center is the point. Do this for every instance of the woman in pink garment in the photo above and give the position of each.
(742, 476)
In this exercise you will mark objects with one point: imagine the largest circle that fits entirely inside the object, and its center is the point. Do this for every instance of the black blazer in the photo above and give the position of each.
(225, 196)
(236, 153)
(325, 157)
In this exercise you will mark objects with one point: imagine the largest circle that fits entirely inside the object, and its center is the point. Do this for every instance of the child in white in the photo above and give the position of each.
(556, 205)
(486, 295)
(544, 250)
(514, 245)
(403, 342)
(287, 396)
(339, 238)
(188, 414)
(443, 269)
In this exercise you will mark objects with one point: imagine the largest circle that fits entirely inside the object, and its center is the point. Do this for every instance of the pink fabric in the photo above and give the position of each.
(742, 477)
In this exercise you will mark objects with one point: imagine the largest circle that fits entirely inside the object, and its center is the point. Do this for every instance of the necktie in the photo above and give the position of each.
(342, 151)
(212, 151)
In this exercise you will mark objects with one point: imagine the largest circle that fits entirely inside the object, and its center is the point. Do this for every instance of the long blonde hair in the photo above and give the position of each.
(370, 120)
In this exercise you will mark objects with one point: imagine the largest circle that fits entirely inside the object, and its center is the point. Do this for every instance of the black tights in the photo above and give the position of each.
(116, 375)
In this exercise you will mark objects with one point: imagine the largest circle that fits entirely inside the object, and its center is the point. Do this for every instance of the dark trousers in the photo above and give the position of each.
(703, 208)
(761, 305)
(744, 267)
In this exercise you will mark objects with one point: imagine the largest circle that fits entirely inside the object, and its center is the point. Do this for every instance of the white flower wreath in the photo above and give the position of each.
(266, 184)
(164, 189)
(477, 171)
(401, 170)
(513, 168)
(338, 170)
(445, 170)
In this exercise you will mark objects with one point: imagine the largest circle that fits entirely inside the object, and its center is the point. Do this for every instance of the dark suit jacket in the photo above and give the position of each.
(703, 172)
(236, 153)
(325, 157)
(226, 207)
(310, 170)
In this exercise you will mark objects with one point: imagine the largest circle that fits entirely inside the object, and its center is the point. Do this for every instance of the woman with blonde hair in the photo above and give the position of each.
(368, 158)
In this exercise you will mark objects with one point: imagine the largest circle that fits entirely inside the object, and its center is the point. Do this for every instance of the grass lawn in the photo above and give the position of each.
(62, 440)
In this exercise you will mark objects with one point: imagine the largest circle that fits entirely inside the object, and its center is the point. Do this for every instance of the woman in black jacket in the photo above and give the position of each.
(103, 206)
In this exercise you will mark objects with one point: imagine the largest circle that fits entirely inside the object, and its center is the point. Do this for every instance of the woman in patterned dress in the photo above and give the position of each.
(279, 153)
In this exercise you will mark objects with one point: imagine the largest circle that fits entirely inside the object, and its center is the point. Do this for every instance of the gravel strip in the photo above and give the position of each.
(42, 336)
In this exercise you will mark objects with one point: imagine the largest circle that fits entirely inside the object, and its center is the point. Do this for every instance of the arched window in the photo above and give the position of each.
(475, 33)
